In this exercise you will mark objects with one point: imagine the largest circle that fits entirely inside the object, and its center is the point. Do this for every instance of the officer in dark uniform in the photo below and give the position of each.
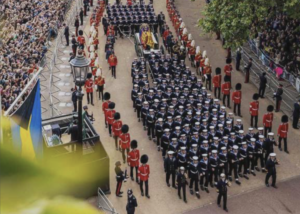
(74, 99)
(182, 182)
(222, 189)
(296, 114)
(271, 168)
(120, 176)
(194, 171)
(170, 166)
(131, 202)
(278, 97)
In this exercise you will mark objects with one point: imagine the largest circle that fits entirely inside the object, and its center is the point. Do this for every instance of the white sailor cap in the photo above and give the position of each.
(194, 145)
(223, 107)
(183, 148)
(151, 110)
(214, 109)
(235, 147)
(205, 142)
(180, 106)
(260, 129)
(164, 100)
(177, 127)
(244, 143)
(204, 155)
(211, 127)
(169, 117)
(151, 91)
(156, 100)
(216, 100)
(186, 125)
(136, 85)
(261, 137)
(223, 148)
(252, 139)
(220, 125)
(205, 130)
(228, 122)
(208, 95)
(214, 151)
(241, 132)
(206, 102)
(270, 134)
(195, 158)
(230, 113)
(216, 138)
(222, 175)
(160, 120)
(205, 120)
(214, 119)
(173, 139)
(181, 168)
(189, 113)
(238, 120)
(197, 124)
(250, 129)
(232, 133)
(195, 133)
(170, 152)
(203, 88)
(273, 155)
(167, 130)
(221, 116)
(146, 102)
(225, 138)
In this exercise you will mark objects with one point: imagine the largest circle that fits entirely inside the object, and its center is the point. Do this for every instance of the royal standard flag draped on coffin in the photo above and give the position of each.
(26, 126)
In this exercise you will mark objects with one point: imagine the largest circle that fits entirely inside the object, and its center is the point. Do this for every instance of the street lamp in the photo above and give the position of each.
(80, 69)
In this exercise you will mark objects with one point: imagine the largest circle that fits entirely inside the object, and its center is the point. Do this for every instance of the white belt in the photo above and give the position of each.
(118, 129)
(194, 172)
(133, 159)
(182, 161)
(144, 174)
(283, 131)
(254, 109)
(237, 97)
(110, 118)
(269, 121)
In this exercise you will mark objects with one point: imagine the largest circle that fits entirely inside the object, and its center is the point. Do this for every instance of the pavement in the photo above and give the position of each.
(165, 199)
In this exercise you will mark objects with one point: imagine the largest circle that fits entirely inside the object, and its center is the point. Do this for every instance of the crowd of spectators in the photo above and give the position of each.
(280, 41)
(26, 28)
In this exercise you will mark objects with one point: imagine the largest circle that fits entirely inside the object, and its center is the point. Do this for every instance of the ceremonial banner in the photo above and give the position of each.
(26, 126)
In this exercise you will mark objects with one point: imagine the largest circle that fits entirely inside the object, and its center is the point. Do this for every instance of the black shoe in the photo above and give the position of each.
(175, 187)
(168, 185)
(192, 192)
(158, 148)
(264, 170)
(124, 161)
(105, 126)
(92, 104)
(267, 185)
(206, 190)
(119, 196)
(212, 185)
(257, 169)
(226, 210)
(142, 194)
(230, 179)
(202, 188)
(219, 205)
(287, 152)
(179, 196)
(132, 178)
(144, 128)
(121, 192)
(245, 176)
(274, 186)
(198, 195)
(137, 181)
(241, 175)
(280, 149)
(253, 173)
(117, 149)
(238, 182)
(139, 120)
(185, 201)
(148, 196)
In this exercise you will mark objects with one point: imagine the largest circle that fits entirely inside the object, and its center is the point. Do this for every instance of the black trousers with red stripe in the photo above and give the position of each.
(118, 188)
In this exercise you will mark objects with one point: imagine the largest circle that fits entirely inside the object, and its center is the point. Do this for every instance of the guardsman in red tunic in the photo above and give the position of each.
(189, 43)
(282, 133)
(226, 92)
(254, 106)
(124, 142)
(113, 61)
(109, 116)
(110, 30)
(237, 99)
(217, 79)
(143, 174)
(89, 83)
(192, 53)
(116, 128)
(268, 120)
(228, 70)
(198, 57)
(106, 97)
(133, 160)
(81, 40)
(202, 65)
(184, 37)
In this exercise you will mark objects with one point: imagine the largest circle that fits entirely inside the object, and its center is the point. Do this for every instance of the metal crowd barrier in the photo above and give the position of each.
(104, 204)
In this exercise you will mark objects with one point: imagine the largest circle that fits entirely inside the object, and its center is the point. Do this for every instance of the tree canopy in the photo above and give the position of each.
(236, 19)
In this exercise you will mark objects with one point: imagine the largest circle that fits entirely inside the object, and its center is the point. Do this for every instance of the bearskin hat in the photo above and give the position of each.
(106, 96)
(80, 32)
(125, 129)
(133, 144)
(111, 105)
(238, 86)
(228, 61)
(284, 119)
(89, 75)
(255, 96)
(270, 108)
(144, 159)
(117, 116)
(218, 70)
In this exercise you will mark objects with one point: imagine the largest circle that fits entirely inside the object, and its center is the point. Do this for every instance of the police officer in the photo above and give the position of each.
(182, 182)
(222, 189)
(271, 167)
(170, 166)
(131, 202)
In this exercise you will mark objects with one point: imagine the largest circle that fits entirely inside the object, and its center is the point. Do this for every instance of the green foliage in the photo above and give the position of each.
(238, 20)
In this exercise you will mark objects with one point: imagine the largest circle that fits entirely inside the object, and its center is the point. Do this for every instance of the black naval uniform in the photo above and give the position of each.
(170, 166)
(222, 187)
(131, 205)
(270, 165)
(182, 182)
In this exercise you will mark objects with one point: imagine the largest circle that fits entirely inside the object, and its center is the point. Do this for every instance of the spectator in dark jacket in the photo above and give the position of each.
(262, 84)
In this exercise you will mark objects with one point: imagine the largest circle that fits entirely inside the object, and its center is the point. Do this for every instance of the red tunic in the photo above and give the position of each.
(226, 88)
(124, 141)
(217, 81)
(237, 97)
(133, 158)
(109, 116)
(143, 172)
(81, 40)
(227, 70)
(116, 128)
(185, 38)
(268, 119)
(88, 86)
(105, 106)
(254, 108)
(112, 60)
(283, 129)
(192, 51)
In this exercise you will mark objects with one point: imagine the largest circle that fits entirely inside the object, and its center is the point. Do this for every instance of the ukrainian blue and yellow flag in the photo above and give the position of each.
(26, 126)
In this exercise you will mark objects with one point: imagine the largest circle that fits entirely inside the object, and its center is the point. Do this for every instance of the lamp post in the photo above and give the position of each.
(80, 69)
